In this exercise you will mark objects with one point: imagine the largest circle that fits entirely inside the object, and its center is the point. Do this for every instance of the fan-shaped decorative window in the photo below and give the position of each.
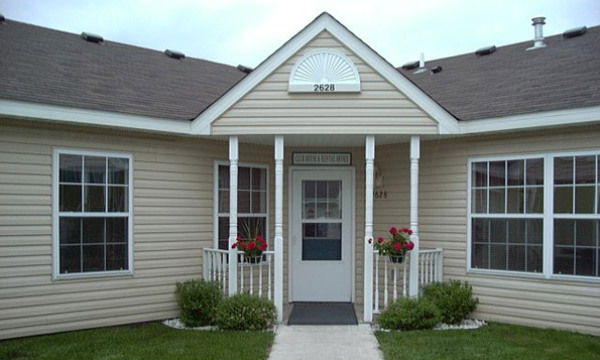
(324, 71)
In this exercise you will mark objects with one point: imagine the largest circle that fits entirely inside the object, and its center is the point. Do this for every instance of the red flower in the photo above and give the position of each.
(263, 247)
(380, 239)
(234, 245)
(410, 245)
(251, 245)
(239, 238)
(259, 238)
(398, 246)
(393, 230)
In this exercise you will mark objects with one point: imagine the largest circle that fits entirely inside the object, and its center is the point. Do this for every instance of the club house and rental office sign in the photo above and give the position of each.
(311, 158)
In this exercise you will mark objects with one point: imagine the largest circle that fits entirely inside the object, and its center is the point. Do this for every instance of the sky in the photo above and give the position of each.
(248, 31)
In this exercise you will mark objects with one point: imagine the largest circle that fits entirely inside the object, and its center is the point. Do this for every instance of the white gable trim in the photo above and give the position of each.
(543, 119)
(447, 123)
(92, 117)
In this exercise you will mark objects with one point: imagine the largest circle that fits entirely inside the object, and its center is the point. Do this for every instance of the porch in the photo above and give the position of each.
(371, 280)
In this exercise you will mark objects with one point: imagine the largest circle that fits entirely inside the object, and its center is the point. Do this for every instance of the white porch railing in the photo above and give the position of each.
(255, 279)
(391, 280)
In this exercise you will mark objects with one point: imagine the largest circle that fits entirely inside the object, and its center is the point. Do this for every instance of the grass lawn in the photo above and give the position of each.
(148, 341)
(495, 341)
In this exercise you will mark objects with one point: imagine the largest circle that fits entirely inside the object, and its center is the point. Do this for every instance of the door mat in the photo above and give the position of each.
(322, 313)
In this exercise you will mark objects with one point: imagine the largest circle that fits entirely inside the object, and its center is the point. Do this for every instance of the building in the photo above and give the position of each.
(118, 166)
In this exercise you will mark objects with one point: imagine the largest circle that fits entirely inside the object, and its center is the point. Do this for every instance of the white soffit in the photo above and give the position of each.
(324, 70)
(447, 123)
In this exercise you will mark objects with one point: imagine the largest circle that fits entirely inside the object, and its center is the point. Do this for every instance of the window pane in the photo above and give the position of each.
(321, 187)
(564, 232)
(535, 171)
(535, 231)
(498, 231)
(481, 230)
(479, 174)
(563, 200)
(517, 257)
(118, 171)
(564, 260)
(480, 256)
(497, 173)
(586, 262)
(116, 257)
(585, 232)
(498, 257)
(223, 177)
(70, 230)
(534, 259)
(70, 198)
(117, 199)
(517, 231)
(223, 235)
(497, 201)
(94, 198)
(479, 201)
(70, 259)
(259, 179)
(515, 200)
(116, 230)
(516, 172)
(95, 170)
(535, 200)
(93, 230)
(563, 170)
(584, 199)
(93, 258)
(244, 178)
(322, 241)
(259, 202)
(244, 201)
(252, 227)
(70, 168)
(223, 201)
(585, 170)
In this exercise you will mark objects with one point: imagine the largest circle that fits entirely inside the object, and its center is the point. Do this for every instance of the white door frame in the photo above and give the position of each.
(352, 172)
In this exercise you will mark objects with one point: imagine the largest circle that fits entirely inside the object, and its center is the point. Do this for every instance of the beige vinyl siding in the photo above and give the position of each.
(173, 221)
(568, 304)
(378, 108)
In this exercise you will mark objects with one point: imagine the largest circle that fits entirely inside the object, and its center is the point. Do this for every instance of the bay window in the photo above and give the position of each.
(522, 209)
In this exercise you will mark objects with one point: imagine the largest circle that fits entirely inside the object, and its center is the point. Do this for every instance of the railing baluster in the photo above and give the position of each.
(269, 294)
(385, 283)
(404, 282)
(376, 302)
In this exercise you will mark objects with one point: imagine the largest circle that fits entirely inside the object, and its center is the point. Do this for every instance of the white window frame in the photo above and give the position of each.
(57, 214)
(217, 214)
(548, 216)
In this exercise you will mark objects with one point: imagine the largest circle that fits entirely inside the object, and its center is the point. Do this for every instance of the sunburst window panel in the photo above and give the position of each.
(324, 71)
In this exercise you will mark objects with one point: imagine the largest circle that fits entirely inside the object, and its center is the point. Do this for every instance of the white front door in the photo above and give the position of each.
(321, 225)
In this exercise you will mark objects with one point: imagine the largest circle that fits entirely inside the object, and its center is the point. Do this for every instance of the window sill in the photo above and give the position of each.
(93, 275)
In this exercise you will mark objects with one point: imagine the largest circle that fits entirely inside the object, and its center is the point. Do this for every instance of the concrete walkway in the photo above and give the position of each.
(345, 342)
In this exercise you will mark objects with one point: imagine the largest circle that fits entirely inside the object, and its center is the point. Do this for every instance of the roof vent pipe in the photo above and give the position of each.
(422, 67)
(538, 40)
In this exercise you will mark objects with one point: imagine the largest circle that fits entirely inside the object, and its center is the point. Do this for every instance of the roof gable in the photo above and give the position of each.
(325, 22)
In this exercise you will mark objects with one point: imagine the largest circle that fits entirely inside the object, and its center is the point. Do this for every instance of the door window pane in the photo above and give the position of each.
(321, 241)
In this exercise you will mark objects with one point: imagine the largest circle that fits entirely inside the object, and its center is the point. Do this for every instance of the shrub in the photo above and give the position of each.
(198, 300)
(409, 314)
(246, 312)
(454, 299)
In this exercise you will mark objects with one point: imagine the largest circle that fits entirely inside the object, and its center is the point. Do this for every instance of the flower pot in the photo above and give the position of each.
(253, 259)
(396, 259)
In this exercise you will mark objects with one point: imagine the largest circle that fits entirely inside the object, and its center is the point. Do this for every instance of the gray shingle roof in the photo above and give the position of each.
(53, 67)
(565, 74)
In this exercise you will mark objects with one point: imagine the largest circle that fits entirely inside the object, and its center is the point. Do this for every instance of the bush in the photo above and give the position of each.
(409, 314)
(454, 299)
(198, 300)
(246, 312)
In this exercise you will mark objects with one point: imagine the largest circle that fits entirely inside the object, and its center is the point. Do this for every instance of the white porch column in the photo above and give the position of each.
(415, 154)
(368, 245)
(278, 295)
(233, 221)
